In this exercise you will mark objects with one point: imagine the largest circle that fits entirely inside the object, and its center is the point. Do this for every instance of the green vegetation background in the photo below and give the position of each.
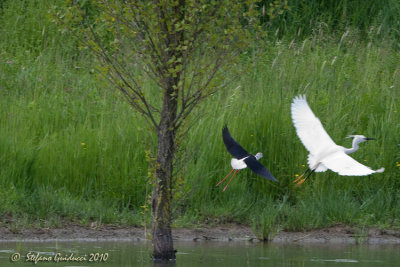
(72, 150)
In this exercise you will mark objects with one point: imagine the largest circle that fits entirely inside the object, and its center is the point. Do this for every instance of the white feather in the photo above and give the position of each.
(238, 164)
(324, 153)
(308, 127)
(343, 164)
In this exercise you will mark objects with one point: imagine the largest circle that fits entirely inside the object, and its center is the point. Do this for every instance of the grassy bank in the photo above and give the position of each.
(72, 149)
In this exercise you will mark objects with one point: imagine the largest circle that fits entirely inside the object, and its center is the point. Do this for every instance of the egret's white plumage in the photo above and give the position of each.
(324, 153)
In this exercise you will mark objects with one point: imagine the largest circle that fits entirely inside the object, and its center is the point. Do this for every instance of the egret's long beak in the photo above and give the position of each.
(369, 138)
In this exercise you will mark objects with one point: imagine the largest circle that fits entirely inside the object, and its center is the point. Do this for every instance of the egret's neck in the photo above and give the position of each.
(354, 147)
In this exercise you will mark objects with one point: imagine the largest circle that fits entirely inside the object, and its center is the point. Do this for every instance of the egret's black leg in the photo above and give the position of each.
(312, 171)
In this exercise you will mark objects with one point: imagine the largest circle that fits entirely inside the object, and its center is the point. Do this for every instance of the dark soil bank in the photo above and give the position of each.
(334, 235)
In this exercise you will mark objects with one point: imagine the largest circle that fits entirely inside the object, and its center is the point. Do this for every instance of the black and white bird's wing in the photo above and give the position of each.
(309, 128)
(343, 164)
(232, 146)
(258, 168)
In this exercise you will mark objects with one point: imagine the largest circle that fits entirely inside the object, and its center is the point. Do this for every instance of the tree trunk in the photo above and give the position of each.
(161, 199)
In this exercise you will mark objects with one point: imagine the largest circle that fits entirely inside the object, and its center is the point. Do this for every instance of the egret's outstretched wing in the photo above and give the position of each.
(308, 127)
(343, 164)
(258, 168)
(232, 146)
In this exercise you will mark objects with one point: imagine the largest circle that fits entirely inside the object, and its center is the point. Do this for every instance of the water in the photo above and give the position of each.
(194, 254)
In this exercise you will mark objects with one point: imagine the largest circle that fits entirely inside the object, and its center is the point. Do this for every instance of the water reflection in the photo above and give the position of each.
(164, 264)
(194, 254)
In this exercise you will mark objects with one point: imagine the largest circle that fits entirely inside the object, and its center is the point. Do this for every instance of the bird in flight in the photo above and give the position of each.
(324, 153)
(243, 159)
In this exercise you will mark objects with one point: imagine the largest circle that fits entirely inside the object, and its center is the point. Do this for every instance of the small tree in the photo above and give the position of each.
(180, 45)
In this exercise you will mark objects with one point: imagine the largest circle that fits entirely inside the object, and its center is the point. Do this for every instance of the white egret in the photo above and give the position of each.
(324, 153)
(243, 159)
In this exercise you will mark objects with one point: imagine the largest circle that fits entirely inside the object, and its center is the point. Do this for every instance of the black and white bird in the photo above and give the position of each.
(243, 159)
(324, 152)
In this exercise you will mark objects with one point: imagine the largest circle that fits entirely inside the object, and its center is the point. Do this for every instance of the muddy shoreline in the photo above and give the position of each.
(338, 234)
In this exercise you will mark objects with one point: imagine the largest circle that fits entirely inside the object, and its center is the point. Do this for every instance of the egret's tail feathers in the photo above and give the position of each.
(317, 167)
(380, 170)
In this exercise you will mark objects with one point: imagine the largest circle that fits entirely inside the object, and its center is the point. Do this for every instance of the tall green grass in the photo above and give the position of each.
(302, 18)
(72, 149)
(352, 88)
